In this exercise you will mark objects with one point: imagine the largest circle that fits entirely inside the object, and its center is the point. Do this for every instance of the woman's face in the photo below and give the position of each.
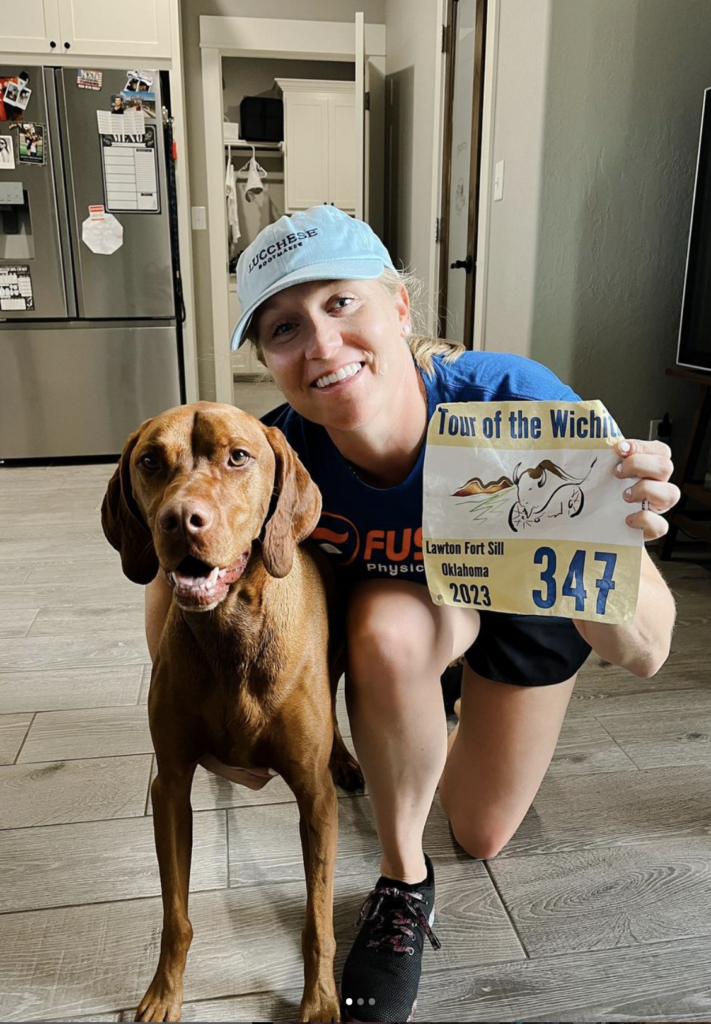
(336, 349)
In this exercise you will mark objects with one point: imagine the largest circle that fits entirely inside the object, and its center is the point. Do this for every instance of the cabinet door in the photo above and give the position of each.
(140, 28)
(306, 159)
(342, 152)
(30, 26)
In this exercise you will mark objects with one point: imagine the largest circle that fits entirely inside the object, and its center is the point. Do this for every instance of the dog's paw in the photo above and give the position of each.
(162, 1002)
(347, 774)
(328, 1011)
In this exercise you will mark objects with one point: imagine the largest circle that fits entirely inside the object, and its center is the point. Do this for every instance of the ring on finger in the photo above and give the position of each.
(647, 505)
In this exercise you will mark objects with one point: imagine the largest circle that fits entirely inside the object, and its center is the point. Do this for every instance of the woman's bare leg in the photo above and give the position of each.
(399, 644)
(498, 756)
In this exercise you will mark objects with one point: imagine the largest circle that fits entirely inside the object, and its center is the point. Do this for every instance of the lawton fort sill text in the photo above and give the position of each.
(518, 426)
(466, 547)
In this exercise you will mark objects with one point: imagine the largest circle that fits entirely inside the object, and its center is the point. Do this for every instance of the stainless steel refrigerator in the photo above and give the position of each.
(89, 339)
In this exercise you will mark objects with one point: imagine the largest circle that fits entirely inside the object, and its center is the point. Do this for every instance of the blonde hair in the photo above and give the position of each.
(422, 345)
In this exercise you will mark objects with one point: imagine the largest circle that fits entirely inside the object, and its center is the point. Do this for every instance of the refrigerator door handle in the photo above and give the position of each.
(56, 157)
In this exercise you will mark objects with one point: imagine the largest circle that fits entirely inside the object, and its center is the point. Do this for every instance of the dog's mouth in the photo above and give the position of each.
(199, 586)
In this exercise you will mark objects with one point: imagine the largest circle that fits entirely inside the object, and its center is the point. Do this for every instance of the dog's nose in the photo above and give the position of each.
(192, 517)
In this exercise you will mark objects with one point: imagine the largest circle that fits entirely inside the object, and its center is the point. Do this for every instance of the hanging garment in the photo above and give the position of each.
(253, 186)
(232, 211)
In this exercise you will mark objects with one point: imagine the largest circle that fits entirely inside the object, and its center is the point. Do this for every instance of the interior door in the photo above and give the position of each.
(462, 151)
(359, 126)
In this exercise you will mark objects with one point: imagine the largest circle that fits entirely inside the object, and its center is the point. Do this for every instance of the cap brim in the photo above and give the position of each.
(365, 269)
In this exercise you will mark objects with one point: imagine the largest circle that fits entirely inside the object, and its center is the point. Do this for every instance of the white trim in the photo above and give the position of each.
(311, 86)
(217, 222)
(437, 143)
(252, 37)
(182, 184)
(491, 60)
(360, 58)
(276, 37)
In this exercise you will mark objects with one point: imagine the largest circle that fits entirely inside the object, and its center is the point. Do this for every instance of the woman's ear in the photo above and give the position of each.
(297, 511)
(123, 523)
(402, 304)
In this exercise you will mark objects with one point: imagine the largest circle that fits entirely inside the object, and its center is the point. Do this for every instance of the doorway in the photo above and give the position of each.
(465, 33)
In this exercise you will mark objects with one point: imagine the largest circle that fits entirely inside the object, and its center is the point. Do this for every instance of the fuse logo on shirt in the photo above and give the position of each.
(340, 537)
(337, 536)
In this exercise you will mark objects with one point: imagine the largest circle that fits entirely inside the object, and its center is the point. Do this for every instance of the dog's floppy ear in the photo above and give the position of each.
(123, 524)
(297, 509)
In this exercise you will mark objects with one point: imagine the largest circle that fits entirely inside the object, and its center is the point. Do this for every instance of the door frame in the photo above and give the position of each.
(475, 164)
(224, 36)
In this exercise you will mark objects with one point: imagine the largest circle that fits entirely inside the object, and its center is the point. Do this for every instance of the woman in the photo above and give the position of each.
(330, 318)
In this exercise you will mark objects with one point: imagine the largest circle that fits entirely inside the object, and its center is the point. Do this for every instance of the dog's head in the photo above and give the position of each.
(193, 490)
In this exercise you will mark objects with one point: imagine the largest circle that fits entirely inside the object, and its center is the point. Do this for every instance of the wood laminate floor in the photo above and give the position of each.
(599, 909)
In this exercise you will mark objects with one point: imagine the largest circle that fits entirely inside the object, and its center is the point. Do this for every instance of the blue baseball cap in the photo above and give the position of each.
(320, 244)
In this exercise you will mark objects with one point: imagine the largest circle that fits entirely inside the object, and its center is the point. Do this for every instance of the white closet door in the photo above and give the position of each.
(306, 176)
(342, 151)
(359, 123)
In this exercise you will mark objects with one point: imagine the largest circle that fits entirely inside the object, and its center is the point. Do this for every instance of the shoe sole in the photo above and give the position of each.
(355, 1020)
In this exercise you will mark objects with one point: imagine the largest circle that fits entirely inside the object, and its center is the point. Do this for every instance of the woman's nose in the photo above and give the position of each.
(324, 336)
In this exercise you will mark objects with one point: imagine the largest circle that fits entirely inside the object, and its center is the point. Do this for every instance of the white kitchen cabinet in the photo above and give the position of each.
(320, 143)
(30, 27)
(134, 29)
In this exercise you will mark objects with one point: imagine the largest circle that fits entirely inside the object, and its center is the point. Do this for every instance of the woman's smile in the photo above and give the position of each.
(337, 379)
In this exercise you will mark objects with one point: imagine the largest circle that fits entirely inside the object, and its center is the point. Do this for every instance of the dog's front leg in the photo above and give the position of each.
(173, 825)
(318, 825)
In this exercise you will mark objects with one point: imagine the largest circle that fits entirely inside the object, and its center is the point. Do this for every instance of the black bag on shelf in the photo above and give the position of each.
(261, 119)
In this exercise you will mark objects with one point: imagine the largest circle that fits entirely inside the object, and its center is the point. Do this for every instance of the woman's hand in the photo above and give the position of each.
(650, 463)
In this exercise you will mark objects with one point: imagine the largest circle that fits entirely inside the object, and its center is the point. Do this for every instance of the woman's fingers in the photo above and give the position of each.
(661, 496)
(652, 525)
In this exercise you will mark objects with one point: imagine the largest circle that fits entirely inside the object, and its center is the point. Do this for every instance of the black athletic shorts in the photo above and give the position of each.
(528, 650)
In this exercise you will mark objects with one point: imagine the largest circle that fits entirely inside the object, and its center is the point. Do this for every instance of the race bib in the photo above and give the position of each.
(523, 512)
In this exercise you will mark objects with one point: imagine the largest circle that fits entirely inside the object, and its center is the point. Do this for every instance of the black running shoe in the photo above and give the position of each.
(382, 972)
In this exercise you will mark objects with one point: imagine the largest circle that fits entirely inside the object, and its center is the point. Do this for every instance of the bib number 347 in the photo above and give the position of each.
(574, 583)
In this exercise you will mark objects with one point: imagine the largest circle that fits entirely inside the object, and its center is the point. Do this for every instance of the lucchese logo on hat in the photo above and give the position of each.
(320, 244)
(294, 240)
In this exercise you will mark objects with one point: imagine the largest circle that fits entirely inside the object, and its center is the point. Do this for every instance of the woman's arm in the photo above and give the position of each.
(644, 646)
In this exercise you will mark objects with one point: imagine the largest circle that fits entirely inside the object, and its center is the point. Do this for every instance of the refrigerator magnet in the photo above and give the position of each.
(103, 235)
(7, 153)
(139, 81)
(88, 79)
(31, 143)
(16, 288)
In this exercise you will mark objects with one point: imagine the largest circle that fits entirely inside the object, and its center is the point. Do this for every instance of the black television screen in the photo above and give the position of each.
(695, 329)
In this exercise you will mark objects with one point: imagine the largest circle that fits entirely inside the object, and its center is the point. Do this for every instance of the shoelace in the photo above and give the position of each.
(395, 928)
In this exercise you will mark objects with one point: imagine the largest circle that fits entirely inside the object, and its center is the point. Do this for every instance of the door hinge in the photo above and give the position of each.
(438, 230)
(444, 39)
(366, 104)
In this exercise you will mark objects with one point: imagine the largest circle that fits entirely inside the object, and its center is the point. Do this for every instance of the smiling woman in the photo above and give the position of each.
(331, 319)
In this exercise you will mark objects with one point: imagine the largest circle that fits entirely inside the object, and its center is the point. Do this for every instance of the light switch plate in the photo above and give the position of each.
(199, 218)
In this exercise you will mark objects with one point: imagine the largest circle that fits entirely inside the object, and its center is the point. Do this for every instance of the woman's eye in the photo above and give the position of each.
(149, 462)
(281, 329)
(342, 301)
(239, 457)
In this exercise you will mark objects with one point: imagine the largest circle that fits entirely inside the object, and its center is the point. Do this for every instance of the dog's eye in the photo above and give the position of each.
(239, 457)
(149, 462)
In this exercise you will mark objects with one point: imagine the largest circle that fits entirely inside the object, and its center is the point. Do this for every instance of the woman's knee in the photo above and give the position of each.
(480, 839)
(387, 638)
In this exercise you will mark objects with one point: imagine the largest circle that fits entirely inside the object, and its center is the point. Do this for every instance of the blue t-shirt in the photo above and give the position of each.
(376, 532)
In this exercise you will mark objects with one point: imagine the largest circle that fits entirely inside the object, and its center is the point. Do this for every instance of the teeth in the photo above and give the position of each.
(332, 378)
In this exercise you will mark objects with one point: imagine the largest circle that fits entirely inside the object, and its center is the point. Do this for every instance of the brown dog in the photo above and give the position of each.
(245, 676)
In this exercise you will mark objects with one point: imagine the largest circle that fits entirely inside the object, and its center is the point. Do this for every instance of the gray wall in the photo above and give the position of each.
(598, 114)
(305, 10)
